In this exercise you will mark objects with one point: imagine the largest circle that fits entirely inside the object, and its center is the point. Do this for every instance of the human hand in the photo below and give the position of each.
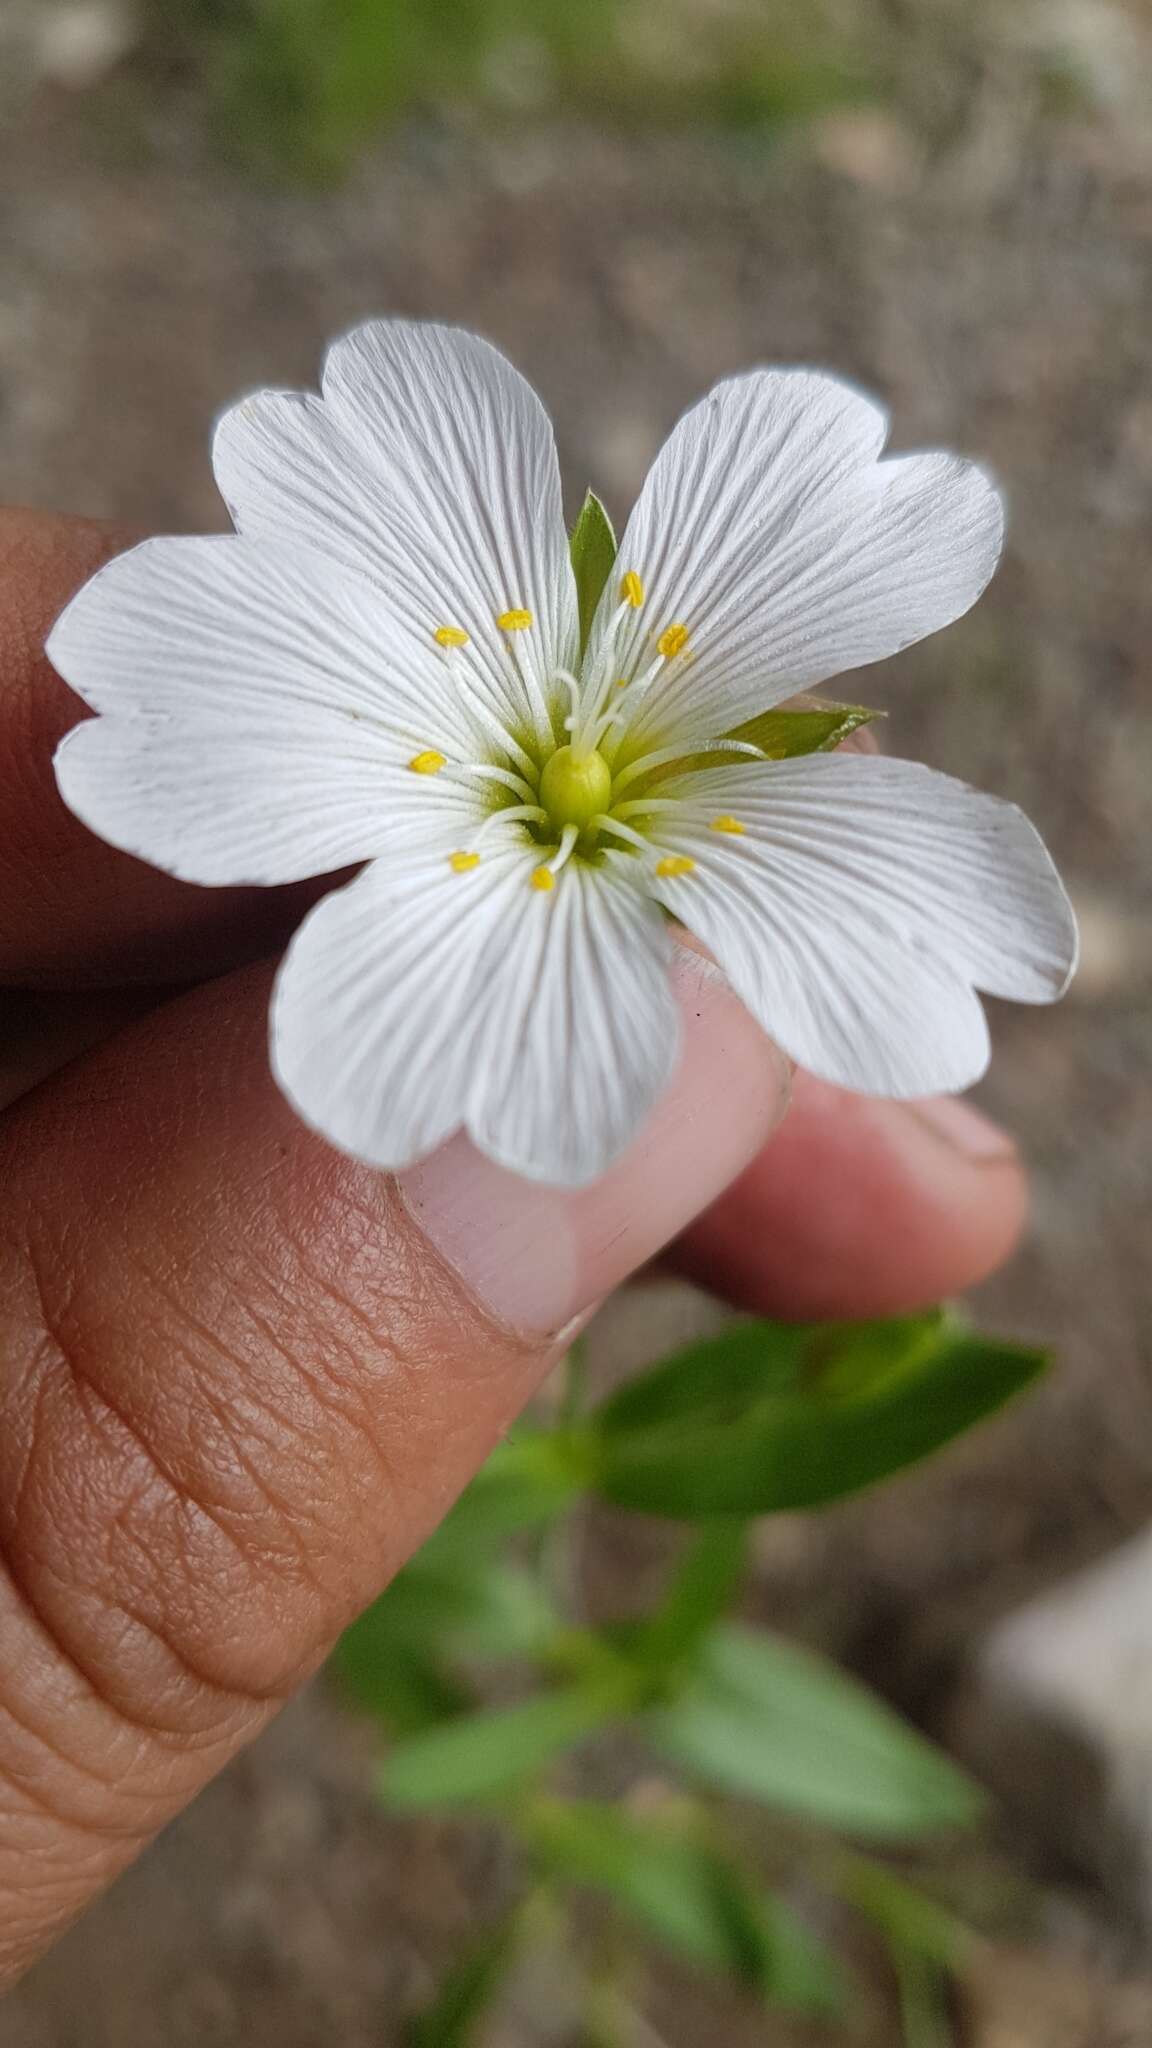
(241, 1376)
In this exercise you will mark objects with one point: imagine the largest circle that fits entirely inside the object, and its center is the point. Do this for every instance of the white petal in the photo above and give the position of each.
(860, 907)
(418, 1000)
(429, 468)
(261, 710)
(769, 528)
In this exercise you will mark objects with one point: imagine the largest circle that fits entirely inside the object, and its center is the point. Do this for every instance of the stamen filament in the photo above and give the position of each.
(537, 703)
(607, 824)
(565, 850)
(510, 815)
(488, 773)
(663, 757)
(482, 713)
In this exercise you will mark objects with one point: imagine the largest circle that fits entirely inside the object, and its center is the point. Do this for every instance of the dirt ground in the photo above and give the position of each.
(982, 256)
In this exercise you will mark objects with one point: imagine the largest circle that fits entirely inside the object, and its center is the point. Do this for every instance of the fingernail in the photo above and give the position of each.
(538, 1257)
(962, 1127)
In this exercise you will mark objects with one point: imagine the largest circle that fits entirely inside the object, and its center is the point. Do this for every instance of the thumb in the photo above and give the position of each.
(241, 1378)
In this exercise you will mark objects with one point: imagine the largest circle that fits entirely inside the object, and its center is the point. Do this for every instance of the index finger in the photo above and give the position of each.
(75, 912)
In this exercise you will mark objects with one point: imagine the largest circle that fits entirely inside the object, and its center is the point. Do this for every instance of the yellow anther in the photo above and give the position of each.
(463, 861)
(675, 864)
(427, 763)
(622, 682)
(727, 824)
(672, 640)
(543, 878)
(450, 636)
(514, 621)
(632, 590)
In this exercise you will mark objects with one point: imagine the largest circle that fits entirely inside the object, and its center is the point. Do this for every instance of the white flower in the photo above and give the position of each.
(383, 666)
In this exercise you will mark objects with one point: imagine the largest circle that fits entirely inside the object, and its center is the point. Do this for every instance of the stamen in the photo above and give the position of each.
(461, 862)
(664, 757)
(450, 636)
(503, 776)
(572, 685)
(727, 824)
(511, 814)
(566, 848)
(675, 864)
(672, 641)
(484, 715)
(427, 763)
(632, 590)
(545, 877)
(514, 621)
(625, 832)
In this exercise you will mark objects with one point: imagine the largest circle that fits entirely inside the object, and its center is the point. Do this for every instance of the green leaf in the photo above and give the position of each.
(712, 1381)
(764, 1718)
(679, 1888)
(483, 1755)
(593, 549)
(762, 1419)
(699, 1595)
(466, 1993)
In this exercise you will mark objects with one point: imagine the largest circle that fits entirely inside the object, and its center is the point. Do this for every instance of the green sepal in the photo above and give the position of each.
(811, 725)
(593, 549)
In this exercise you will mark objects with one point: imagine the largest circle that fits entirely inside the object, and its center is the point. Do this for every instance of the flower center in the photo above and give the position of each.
(575, 787)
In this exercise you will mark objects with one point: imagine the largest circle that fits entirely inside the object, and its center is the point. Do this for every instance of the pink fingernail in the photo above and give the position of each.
(536, 1257)
(962, 1127)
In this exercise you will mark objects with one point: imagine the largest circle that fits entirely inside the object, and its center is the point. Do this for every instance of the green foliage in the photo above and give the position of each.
(300, 85)
(699, 1596)
(467, 1992)
(665, 1873)
(768, 1417)
(764, 1416)
(593, 549)
(477, 1757)
(763, 1718)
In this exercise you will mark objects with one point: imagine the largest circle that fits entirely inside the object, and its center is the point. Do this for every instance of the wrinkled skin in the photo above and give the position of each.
(237, 1385)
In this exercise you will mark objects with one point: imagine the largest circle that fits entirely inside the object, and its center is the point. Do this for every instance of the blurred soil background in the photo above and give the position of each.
(952, 203)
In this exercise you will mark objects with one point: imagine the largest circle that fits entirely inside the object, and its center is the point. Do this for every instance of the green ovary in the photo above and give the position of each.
(575, 788)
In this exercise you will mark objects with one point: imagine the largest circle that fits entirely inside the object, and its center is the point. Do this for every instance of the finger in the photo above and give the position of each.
(74, 912)
(857, 1207)
(243, 1377)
